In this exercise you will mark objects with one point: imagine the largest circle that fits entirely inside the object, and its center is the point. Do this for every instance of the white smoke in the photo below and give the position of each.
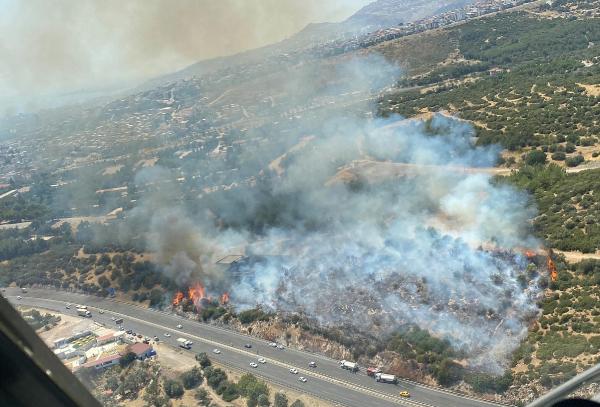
(375, 264)
(380, 249)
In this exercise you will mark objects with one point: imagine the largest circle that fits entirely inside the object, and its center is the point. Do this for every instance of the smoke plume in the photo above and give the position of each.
(59, 46)
(368, 223)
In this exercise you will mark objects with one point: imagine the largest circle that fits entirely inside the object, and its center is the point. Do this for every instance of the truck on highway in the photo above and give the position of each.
(184, 343)
(84, 313)
(352, 366)
(372, 371)
(386, 378)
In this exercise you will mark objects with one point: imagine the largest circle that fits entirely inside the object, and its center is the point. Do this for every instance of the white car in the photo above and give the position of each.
(121, 328)
(262, 360)
(254, 365)
(216, 351)
(179, 326)
(280, 347)
(100, 311)
(294, 370)
(168, 335)
(302, 379)
(312, 364)
(19, 297)
(113, 318)
(273, 345)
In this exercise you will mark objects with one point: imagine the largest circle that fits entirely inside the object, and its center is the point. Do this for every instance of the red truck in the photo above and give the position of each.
(372, 371)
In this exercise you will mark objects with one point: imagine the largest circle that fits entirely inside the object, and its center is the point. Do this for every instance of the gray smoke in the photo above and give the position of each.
(369, 223)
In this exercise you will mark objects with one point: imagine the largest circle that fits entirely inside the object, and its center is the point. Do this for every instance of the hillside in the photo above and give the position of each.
(133, 195)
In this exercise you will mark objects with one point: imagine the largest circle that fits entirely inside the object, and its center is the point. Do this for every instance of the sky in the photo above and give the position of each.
(56, 47)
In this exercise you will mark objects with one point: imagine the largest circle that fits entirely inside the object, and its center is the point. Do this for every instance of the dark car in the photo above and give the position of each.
(247, 346)
(129, 332)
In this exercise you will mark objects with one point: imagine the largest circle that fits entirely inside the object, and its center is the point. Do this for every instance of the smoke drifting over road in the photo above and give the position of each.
(372, 254)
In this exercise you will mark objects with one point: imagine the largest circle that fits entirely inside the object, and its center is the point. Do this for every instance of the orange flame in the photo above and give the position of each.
(178, 298)
(196, 293)
(551, 267)
(529, 254)
(225, 298)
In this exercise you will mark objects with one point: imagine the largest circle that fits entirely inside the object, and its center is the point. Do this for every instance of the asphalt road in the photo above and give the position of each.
(327, 381)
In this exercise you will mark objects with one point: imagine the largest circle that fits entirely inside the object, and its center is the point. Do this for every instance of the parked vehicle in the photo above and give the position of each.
(312, 364)
(404, 393)
(119, 321)
(302, 379)
(253, 364)
(262, 360)
(216, 351)
(294, 370)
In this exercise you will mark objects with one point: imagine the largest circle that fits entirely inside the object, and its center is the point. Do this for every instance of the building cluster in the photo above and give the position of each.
(357, 41)
(99, 348)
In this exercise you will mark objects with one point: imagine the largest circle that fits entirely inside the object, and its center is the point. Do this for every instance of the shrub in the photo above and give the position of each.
(559, 156)
(535, 157)
(203, 360)
(281, 400)
(574, 161)
(173, 388)
(192, 378)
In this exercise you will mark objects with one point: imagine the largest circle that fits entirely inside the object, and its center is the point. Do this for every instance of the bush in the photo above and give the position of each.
(214, 377)
(486, 383)
(173, 388)
(281, 400)
(263, 400)
(297, 403)
(559, 156)
(230, 392)
(535, 157)
(574, 161)
(203, 360)
(202, 396)
(192, 378)
(252, 315)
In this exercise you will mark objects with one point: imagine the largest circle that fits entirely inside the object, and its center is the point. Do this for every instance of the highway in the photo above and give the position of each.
(327, 381)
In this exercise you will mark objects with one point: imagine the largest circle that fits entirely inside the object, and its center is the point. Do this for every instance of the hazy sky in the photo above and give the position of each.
(56, 46)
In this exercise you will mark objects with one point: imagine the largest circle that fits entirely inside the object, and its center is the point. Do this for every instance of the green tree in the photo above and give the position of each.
(281, 400)
(192, 378)
(203, 360)
(202, 396)
(297, 403)
(536, 157)
(127, 359)
(173, 388)
(263, 400)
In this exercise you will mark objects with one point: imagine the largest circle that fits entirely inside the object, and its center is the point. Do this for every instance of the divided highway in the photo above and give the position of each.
(327, 381)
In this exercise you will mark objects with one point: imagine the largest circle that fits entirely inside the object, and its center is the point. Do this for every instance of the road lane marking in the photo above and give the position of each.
(246, 353)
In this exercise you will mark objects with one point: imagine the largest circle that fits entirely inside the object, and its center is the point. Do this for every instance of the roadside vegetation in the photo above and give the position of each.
(207, 385)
